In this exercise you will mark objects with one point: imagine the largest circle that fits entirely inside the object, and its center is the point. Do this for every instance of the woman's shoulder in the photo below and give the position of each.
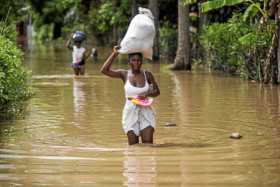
(147, 73)
(122, 71)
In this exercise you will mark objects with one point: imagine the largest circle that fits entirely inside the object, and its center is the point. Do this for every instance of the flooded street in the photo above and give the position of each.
(72, 135)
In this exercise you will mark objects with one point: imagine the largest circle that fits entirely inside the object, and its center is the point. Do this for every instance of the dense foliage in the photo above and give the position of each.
(14, 79)
(237, 46)
(50, 16)
(12, 10)
(236, 37)
(109, 20)
(168, 40)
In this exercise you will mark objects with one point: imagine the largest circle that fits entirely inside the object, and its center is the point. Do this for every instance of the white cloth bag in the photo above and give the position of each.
(140, 35)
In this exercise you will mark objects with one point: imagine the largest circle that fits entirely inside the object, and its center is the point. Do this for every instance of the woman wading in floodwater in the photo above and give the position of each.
(136, 120)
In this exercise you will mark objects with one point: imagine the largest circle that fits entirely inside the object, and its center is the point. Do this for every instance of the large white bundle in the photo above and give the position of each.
(140, 34)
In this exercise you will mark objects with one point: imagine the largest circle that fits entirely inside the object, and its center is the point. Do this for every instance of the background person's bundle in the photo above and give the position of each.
(79, 36)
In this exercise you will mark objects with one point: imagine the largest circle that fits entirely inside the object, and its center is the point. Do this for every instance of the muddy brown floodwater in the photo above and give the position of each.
(71, 134)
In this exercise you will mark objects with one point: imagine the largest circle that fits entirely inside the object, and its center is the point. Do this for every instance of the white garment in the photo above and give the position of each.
(132, 91)
(77, 54)
(135, 117)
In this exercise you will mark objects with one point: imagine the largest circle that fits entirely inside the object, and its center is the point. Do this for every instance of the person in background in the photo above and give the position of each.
(94, 54)
(79, 53)
(136, 120)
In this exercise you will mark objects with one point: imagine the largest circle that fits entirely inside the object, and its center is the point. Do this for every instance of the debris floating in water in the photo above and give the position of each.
(235, 135)
(168, 124)
(260, 134)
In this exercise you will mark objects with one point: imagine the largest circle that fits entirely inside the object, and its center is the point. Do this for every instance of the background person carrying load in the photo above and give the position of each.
(79, 53)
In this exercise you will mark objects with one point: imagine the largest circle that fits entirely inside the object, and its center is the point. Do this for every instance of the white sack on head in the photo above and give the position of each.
(140, 34)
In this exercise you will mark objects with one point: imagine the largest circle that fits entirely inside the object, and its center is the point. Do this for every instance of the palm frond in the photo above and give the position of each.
(215, 4)
(251, 11)
(188, 2)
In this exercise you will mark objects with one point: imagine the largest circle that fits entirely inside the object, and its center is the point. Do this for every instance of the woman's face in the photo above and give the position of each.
(135, 62)
(78, 44)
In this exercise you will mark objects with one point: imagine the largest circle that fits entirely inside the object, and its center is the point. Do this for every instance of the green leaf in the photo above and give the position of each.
(215, 4)
(247, 39)
(251, 11)
(188, 2)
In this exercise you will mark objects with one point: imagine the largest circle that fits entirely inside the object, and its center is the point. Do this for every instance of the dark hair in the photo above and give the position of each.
(78, 41)
(132, 54)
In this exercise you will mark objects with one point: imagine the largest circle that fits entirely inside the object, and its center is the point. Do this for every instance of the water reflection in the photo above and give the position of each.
(78, 96)
(181, 97)
(139, 169)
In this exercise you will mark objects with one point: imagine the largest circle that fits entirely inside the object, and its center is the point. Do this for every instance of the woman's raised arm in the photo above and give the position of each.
(106, 68)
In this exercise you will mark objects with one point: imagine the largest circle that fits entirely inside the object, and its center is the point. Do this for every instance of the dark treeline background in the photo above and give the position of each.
(233, 36)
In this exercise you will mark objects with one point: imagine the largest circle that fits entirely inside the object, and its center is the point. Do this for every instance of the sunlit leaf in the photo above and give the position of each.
(215, 4)
(247, 39)
(187, 2)
(251, 11)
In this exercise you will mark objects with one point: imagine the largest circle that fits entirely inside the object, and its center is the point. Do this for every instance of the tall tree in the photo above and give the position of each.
(278, 48)
(133, 8)
(182, 59)
(153, 6)
(274, 10)
(272, 63)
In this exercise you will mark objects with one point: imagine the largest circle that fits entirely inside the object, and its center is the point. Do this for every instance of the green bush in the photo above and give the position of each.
(168, 40)
(14, 79)
(9, 31)
(255, 46)
(228, 46)
(220, 40)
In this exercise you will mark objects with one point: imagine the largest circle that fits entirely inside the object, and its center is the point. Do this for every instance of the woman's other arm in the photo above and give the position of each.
(154, 89)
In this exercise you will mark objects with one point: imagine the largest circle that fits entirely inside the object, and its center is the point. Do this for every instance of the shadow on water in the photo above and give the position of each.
(177, 145)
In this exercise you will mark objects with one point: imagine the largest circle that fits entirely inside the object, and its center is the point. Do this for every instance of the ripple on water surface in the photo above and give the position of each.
(72, 135)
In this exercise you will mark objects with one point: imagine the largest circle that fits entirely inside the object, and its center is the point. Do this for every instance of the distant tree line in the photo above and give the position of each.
(234, 36)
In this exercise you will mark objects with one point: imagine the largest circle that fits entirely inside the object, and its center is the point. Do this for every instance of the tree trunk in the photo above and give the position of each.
(273, 7)
(57, 30)
(202, 20)
(182, 59)
(133, 8)
(278, 47)
(153, 6)
(267, 71)
(272, 63)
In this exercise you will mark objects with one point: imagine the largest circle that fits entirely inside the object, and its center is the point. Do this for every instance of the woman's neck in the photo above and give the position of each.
(135, 71)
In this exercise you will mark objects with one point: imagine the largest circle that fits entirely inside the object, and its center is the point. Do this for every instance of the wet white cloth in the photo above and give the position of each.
(140, 35)
(77, 54)
(135, 117)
